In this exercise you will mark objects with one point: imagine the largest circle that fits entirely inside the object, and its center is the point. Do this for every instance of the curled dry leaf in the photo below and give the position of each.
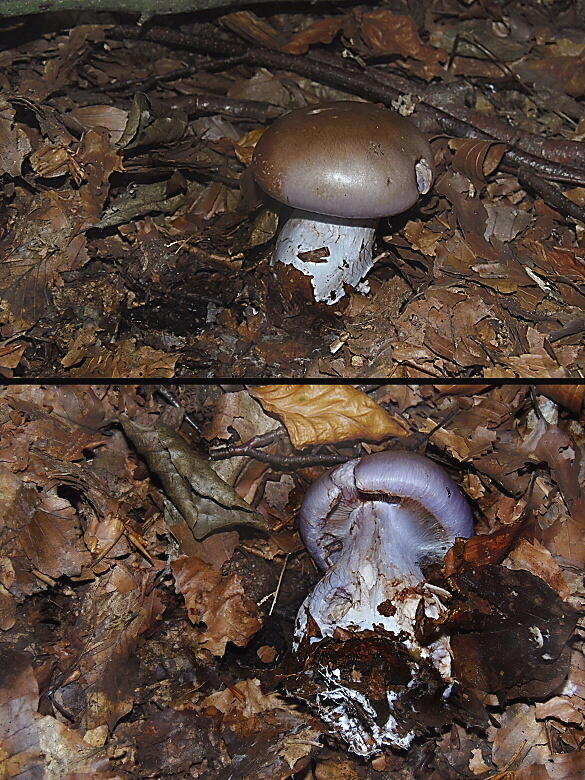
(205, 501)
(318, 414)
(570, 396)
(475, 158)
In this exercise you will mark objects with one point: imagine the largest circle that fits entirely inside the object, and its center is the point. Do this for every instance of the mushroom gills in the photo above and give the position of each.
(380, 563)
(332, 251)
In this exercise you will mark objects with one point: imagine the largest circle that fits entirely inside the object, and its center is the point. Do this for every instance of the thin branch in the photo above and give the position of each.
(285, 462)
(373, 84)
(551, 194)
(234, 450)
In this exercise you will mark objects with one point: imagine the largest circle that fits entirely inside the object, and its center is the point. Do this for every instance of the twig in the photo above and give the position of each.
(550, 194)
(371, 83)
(170, 398)
(238, 109)
(145, 84)
(287, 462)
(233, 450)
(279, 583)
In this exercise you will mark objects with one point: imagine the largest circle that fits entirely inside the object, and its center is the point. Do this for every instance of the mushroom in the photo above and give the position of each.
(340, 167)
(373, 524)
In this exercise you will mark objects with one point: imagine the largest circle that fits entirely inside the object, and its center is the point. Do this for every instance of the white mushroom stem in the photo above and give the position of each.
(332, 251)
(379, 568)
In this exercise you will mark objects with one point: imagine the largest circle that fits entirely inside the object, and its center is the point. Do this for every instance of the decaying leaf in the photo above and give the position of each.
(33, 746)
(124, 359)
(316, 414)
(42, 246)
(505, 646)
(245, 697)
(383, 32)
(218, 601)
(112, 619)
(321, 31)
(151, 122)
(205, 501)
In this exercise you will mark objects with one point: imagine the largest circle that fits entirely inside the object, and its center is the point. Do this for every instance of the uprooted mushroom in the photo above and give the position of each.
(375, 666)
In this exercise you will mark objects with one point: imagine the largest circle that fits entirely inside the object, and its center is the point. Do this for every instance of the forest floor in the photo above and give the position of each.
(151, 572)
(128, 247)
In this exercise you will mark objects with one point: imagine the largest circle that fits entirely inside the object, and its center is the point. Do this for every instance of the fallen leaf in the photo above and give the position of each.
(317, 414)
(123, 359)
(321, 31)
(204, 500)
(218, 601)
(476, 158)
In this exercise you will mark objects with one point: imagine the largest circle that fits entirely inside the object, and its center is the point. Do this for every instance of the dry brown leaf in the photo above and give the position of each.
(557, 260)
(317, 414)
(217, 601)
(560, 708)
(339, 769)
(383, 32)
(33, 746)
(244, 147)
(52, 539)
(44, 245)
(537, 559)
(250, 700)
(562, 74)
(112, 118)
(10, 357)
(570, 396)
(252, 28)
(118, 609)
(123, 359)
(14, 143)
(321, 31)
(519, 733)
(476, 158)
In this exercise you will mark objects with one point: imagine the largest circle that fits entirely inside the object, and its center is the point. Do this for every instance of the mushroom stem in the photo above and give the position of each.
(333, 251)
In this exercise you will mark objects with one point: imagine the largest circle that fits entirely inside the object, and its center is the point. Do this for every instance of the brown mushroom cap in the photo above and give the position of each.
(345, 159)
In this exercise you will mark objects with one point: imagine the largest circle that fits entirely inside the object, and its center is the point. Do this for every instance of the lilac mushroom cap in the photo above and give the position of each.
(341, 166)
(326, 512)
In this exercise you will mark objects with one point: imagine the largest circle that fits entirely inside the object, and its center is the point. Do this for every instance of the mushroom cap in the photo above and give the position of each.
(326, 515)
(344, 159)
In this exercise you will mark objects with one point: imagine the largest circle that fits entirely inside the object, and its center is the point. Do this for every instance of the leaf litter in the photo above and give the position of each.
(135, 643)
(134, 244)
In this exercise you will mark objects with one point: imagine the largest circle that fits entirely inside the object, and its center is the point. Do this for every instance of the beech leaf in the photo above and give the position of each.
(316, 414)
(205, 501)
